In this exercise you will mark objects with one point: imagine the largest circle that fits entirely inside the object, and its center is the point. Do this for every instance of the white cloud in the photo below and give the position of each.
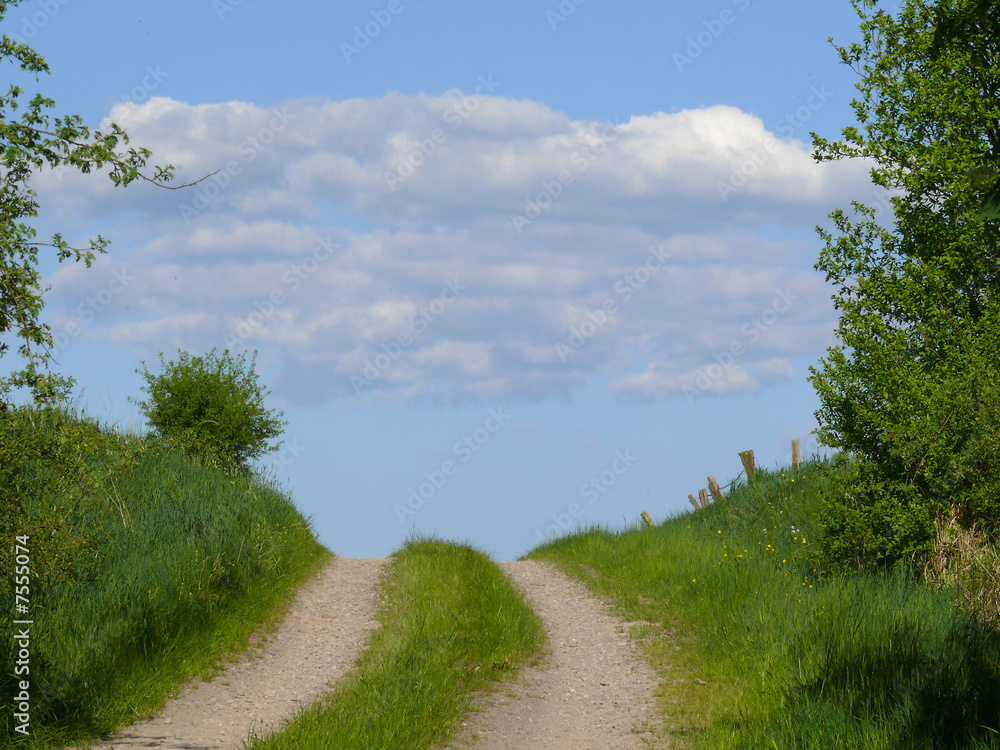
(658, 382)
(317, 244)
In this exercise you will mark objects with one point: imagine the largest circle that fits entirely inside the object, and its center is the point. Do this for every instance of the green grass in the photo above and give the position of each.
(146, 570)
(758, 647)
(451, 624)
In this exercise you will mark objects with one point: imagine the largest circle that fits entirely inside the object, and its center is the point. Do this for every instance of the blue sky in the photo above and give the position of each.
(509, 267)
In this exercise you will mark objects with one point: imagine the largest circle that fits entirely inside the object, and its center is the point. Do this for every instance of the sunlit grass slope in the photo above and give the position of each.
(759, 648)
(145, 570)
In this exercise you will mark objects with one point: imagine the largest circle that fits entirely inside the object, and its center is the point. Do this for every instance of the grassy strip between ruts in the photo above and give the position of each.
(451, 625)
(757, 647)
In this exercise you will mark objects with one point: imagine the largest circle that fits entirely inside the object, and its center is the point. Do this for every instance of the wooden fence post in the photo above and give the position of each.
(693, 501)
(647, 519)
(796, 454)
(703, 497)
(713, 487)
(747, 458)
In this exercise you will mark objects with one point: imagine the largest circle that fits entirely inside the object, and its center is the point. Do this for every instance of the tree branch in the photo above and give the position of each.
(116, 161)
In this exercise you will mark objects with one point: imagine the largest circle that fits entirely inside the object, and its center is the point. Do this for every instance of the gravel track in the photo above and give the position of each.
(595, 692)
(319, 639)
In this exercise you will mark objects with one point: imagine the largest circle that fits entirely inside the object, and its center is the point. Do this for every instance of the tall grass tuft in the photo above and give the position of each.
(794, 656)
(146, 570)
(451, 625)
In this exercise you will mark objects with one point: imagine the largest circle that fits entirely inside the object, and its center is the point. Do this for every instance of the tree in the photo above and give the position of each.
(918, 300)
(212, 407)
(34, 141)
(973, 26)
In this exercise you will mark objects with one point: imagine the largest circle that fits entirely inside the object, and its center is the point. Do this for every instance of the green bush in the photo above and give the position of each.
(939, 461)
(212, 407)
(870, 521)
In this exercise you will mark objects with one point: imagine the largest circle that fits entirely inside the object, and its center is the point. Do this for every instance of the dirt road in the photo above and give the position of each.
(593, 691)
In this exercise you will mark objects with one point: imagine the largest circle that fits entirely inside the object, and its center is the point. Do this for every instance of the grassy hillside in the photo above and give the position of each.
(145, 570)
(760, 647)
(451, 625)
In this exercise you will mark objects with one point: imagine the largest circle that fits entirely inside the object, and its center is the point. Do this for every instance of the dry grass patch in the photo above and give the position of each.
(963, 560)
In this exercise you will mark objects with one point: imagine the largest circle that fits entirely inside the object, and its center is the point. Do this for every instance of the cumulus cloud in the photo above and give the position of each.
(463, 245)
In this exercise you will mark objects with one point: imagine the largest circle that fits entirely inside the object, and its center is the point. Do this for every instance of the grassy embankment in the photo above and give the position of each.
(451, 626)
(759, 647)
(146, 570)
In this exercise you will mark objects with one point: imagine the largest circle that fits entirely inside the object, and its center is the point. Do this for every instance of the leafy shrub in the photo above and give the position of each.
(212, 407)
(939, 460)
(871, 521)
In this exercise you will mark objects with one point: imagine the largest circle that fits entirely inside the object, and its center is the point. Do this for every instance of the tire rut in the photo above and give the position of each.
(595, 692)
(323, 632)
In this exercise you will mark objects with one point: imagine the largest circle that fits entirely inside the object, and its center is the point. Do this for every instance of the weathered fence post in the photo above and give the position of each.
(747, 458)
(796, 454)
(703, 497)
(713, 487)
(646, 517)
(693, 501)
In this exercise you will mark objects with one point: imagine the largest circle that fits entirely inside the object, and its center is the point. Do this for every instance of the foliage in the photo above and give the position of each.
(940, 463)
(973, 26)
(911, 388)
(870, 521)
(34, 141)
(212, 407)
